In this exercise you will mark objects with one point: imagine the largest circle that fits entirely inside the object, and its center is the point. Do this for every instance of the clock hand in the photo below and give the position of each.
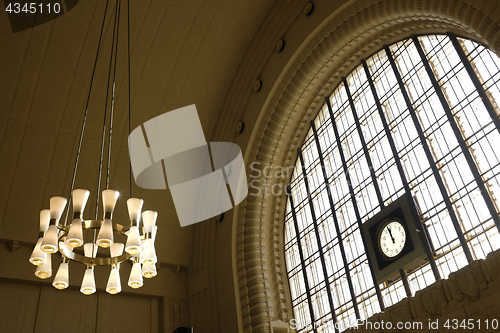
(390, 233)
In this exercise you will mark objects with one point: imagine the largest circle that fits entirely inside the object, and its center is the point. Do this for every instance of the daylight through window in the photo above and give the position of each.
(418, 118)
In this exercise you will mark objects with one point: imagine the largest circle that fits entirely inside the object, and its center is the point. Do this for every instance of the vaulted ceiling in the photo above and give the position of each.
(182, 52)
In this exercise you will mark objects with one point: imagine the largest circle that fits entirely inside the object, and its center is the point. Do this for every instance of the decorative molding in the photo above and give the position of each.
(434, 304)
(429, 302)
(14, 246)
(467, 282)
(351, 34)
(176, 313)
(401, 312)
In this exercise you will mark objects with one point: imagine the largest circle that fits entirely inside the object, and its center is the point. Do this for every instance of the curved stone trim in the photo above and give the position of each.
(352, 34)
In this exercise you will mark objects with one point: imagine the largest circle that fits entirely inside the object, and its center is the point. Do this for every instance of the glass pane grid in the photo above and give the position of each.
(469, 206)
(486, 66)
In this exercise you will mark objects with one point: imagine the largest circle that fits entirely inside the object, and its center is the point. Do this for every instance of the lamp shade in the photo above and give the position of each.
(75, 233)
(88, 283)
(109, 198)
(149, 219)
(61, 281)
(105, 237)
(114, 284)
(44, 271)
(135, 280)
(149, 271)
(134, 206)
(65, 246)
(133, 241)
(44, 220)
(57, 205)
(155, 230)
(49, 244)
(90, 250)
(80, 198)
(116, 249)
(148, 255)
(38, 257)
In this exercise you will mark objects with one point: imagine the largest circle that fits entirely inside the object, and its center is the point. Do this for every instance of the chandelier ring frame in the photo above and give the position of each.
(96, 261)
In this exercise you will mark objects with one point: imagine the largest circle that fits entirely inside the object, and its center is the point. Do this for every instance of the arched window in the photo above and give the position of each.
(418, 119)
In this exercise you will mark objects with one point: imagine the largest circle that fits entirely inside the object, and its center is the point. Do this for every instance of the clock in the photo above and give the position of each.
(391, 238)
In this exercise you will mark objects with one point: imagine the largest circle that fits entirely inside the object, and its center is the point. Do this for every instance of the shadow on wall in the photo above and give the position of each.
(26, 15)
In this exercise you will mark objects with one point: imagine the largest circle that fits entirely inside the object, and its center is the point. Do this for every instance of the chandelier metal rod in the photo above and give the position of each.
(103, 141)
(85, 114)
(118, 13)
(129, 96)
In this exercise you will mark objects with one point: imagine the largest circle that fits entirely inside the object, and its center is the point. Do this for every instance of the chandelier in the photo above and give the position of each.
(98, 235)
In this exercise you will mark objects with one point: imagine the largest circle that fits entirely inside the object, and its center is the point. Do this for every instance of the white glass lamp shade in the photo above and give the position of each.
(38, 257)
(57, 205)
(88, 283)
(116, 249)
(44, 271)
(49, 244)
(44, 220)
(65, 246)
(109, 198)
(133, 241)
(114, 284)
(149, 219)
(105, 237)
(75, 234)
(149, 271)
(155, 230)
(134, 206)
(135, 280)
(61, 281)
(80, 198)
(148, 255)
(90, 250)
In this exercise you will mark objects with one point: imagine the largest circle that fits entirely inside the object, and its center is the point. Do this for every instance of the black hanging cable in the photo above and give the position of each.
(118, 11)
(85, 114)
(129, 96)
(94, 250)
(105, 117)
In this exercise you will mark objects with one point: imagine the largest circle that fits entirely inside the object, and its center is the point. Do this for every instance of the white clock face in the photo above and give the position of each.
(392, 238)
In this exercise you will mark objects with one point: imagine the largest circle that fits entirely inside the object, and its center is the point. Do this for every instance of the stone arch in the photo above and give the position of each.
(349, 35)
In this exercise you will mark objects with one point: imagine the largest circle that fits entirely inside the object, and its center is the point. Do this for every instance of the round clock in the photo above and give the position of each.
(391, 238)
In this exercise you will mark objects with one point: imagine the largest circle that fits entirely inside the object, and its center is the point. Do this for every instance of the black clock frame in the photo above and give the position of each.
(383, 267)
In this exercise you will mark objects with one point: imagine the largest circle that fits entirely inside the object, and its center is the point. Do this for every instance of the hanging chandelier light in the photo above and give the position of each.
(60, 237)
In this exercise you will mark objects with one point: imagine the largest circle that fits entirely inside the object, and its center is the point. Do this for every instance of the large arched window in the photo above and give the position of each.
(417, 119)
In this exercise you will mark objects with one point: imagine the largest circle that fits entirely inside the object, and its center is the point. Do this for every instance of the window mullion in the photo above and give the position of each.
(430, 158)
(316, 230)
(363, 143)
(475, 80)
(335, 221)
(416, 216)
(354, 204)
(301, 254)
(458, 135)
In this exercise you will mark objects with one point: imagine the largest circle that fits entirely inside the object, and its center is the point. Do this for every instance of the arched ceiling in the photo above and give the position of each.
(183, 52)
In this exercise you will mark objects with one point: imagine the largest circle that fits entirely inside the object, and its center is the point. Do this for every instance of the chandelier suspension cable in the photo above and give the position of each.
(85, 115)
(118, 13)
(129, 96)
(55, 237)
(103, 141)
